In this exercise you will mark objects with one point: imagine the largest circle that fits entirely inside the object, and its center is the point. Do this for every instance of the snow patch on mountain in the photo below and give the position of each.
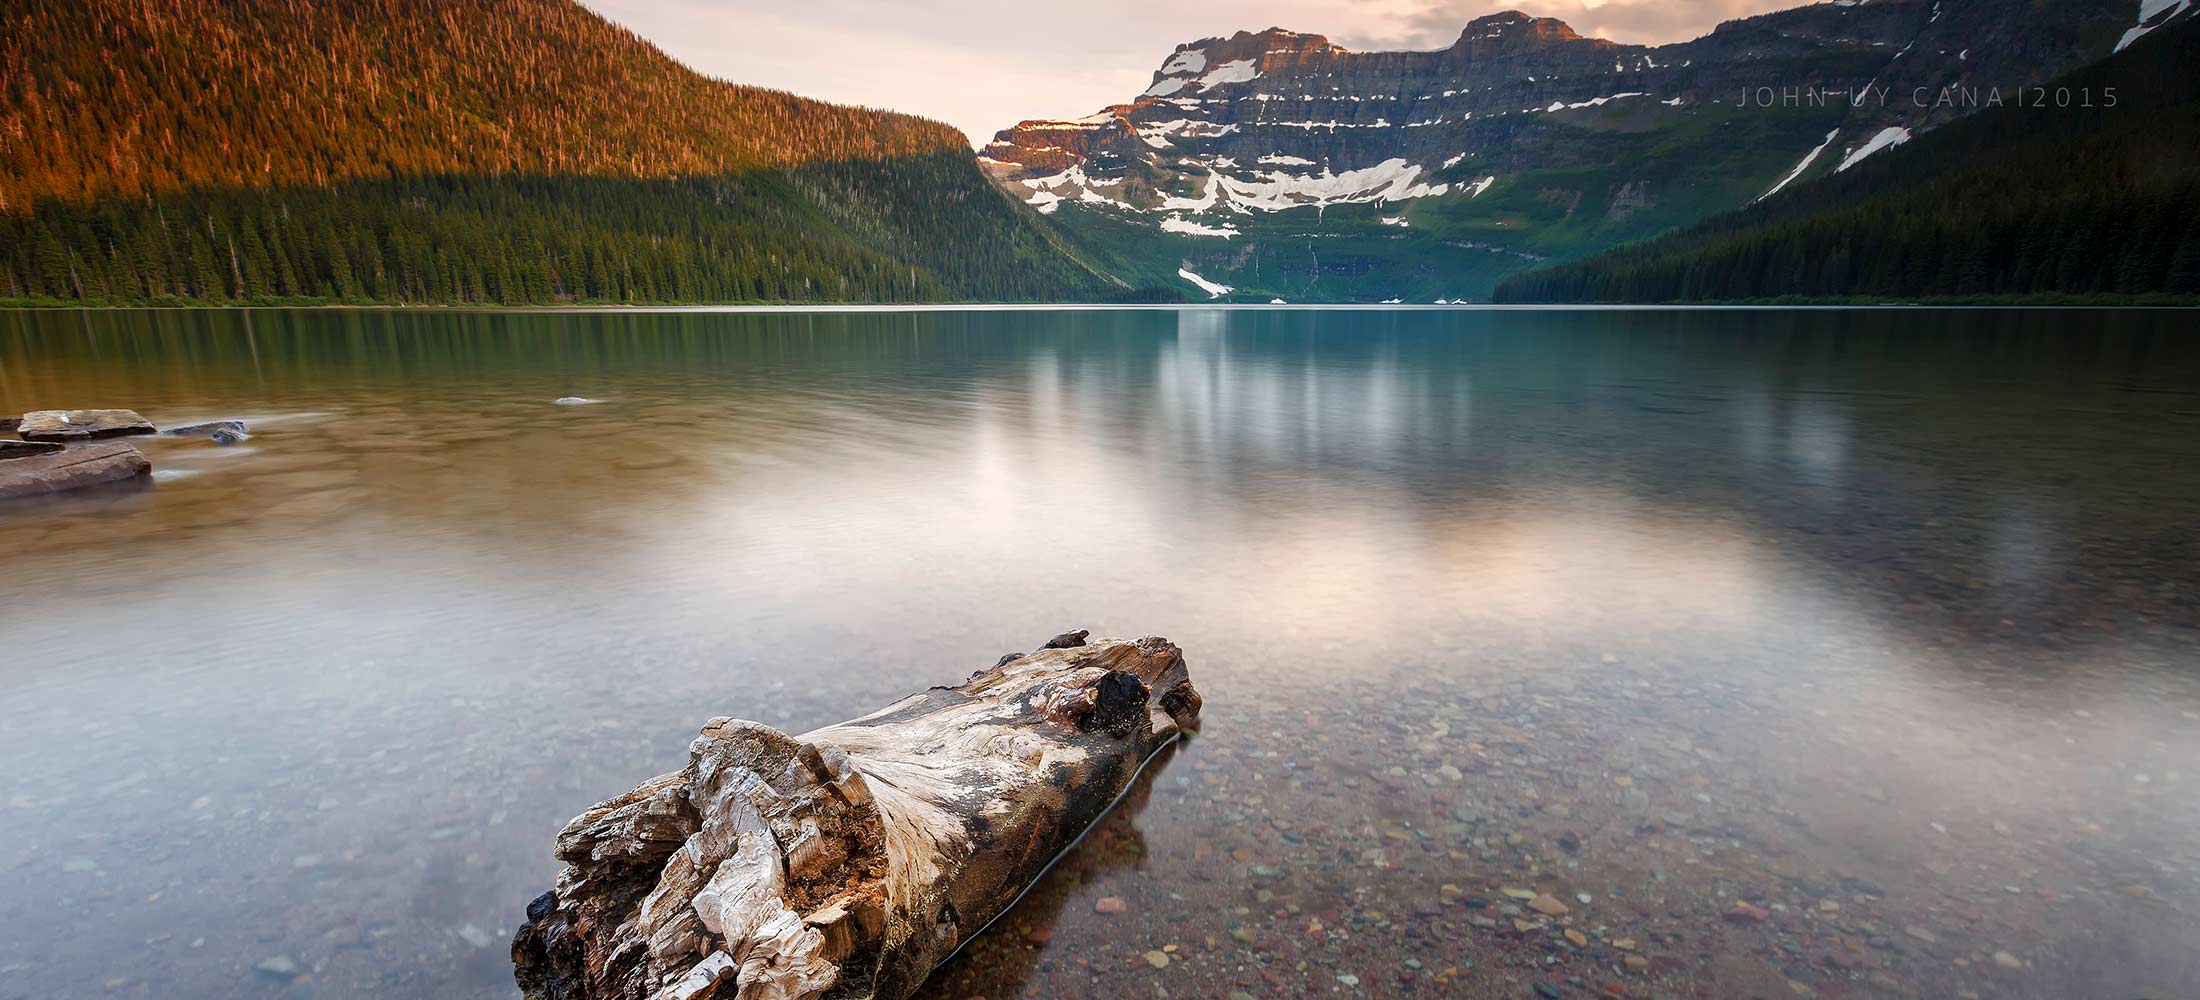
(1210, 195)
(1888, 138)
(1594, 102)
(1180, 224)
(1234, 71)
(1189, 128)
(1227, 187)
(1087, 123)
(1213, 290)
(2153, 14)
(1185, 63)
(1808, 159)
(1075, 175)
(1393, 179)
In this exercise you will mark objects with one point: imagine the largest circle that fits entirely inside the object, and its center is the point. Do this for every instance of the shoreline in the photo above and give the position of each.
(867, 307)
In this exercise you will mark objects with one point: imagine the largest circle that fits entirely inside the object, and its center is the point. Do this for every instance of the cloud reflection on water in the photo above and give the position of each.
(1898, 552)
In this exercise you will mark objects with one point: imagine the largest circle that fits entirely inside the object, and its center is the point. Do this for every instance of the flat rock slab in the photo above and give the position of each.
(72, 468)
(81, 425)
(25, 449)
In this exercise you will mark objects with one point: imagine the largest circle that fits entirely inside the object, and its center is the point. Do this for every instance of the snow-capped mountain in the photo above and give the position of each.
(1434, 173)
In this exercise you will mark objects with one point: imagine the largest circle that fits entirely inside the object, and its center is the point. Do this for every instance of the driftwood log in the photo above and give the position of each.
(849, 862)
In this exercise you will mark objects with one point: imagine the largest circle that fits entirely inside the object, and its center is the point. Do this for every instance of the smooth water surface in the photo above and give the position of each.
(1798, 653)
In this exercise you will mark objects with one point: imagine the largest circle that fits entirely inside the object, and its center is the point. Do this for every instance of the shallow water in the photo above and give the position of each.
(1885, 624)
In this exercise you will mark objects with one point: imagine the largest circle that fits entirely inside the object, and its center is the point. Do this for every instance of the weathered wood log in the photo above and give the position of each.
(849, 862)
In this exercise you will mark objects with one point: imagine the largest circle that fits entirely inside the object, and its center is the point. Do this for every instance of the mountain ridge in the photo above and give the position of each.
(1432, 174)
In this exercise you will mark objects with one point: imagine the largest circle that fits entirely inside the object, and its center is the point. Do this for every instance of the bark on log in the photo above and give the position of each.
(849, 862)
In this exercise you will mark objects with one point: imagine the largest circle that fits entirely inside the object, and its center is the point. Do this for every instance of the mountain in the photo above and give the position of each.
(494, 150)
(1279, 164)
(2089, 191)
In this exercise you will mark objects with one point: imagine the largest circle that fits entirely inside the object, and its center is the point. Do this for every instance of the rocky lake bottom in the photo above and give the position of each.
(1545, 655)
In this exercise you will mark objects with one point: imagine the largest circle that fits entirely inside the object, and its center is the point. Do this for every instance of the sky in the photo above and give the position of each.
(984, 65)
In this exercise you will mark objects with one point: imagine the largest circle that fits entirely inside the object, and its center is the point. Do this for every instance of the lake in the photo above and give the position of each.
(1797, 652)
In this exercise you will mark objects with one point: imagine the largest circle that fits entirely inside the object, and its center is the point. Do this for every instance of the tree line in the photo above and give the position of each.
(925, 229)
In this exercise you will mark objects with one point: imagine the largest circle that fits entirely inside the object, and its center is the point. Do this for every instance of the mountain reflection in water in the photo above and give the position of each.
(1841, 652)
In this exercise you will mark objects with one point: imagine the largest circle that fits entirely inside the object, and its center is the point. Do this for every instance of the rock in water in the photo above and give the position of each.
(25, 449)
(853, 859)
(223, 432)
(9, 424)
(278, 966)
(72, 468)
(81, 425)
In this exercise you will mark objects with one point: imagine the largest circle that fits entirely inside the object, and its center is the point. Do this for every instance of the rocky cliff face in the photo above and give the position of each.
(1522, 134)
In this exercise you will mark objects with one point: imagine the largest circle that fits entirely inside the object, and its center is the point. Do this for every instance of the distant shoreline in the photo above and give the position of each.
(881, 307)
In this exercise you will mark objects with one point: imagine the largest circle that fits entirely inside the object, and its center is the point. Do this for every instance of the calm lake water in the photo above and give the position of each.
(1798, 653)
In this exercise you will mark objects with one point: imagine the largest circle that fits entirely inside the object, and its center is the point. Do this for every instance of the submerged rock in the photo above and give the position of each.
(81, 425)
(278, 967)
(223, 432)
(74, 467)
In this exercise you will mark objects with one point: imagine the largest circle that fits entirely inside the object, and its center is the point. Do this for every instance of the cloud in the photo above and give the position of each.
(1646, 22)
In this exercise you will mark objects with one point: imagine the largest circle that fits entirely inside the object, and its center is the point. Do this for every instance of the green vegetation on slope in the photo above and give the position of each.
(1629, 171)
(917, 229)
(506, 151)
(2087, 202)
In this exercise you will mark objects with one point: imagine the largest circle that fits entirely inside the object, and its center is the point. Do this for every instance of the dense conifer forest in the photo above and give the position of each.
(911, 229)
(2033, 203)
(493, 151)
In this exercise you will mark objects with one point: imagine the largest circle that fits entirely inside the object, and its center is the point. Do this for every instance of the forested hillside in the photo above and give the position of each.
(126, 97)
(504, 151)
(921, 229)
(2036, 202)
